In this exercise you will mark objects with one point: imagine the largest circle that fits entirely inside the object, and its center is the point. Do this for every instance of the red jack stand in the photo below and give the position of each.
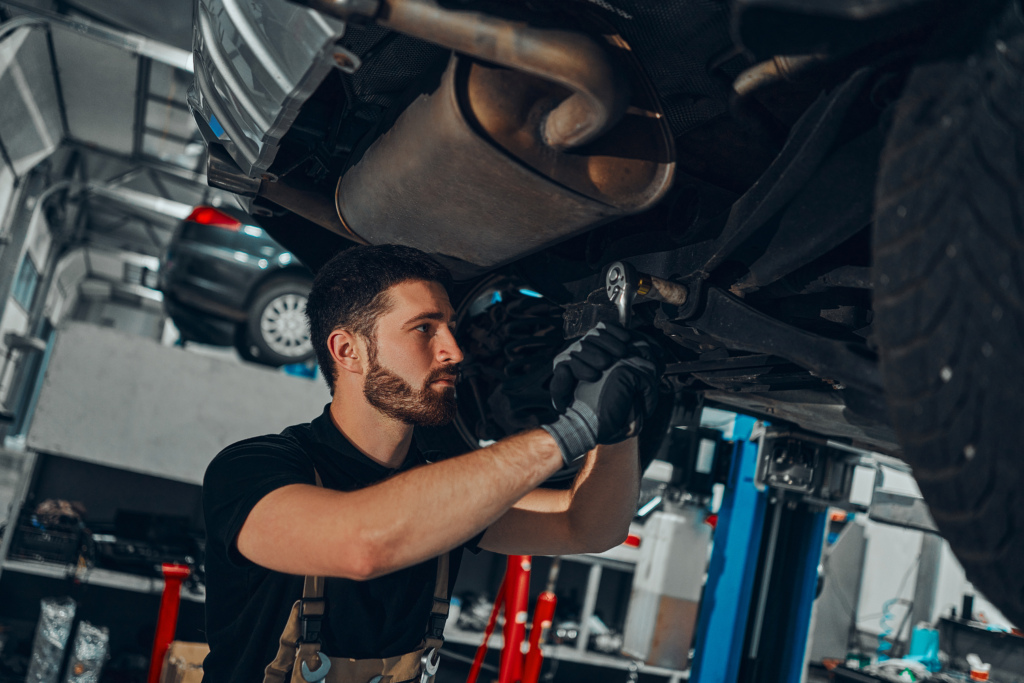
(167, 619)
(517, 587)
(513, 594)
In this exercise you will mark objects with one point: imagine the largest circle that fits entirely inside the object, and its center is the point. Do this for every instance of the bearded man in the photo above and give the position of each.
(376, 527)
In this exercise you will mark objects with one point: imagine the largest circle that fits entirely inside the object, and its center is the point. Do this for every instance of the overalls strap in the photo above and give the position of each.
(300, 640)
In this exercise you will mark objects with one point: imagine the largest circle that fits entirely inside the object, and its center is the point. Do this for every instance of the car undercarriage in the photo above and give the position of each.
(795, 169)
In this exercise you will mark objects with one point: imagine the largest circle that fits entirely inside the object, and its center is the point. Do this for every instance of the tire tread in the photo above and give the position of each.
(949, 294)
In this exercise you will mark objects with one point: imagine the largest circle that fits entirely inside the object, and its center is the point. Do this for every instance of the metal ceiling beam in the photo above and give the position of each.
(99, 241)
(131, 42)
(141, 104)
(7, 28)
(126, 177)
(150, 162)
(141, 200)
(158, 184)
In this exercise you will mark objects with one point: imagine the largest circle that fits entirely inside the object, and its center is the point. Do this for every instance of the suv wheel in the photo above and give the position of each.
(949, 301)
(276, 332)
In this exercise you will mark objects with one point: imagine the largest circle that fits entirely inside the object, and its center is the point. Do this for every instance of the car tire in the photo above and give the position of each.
(276, 332)
(245, 348)
(949, 300)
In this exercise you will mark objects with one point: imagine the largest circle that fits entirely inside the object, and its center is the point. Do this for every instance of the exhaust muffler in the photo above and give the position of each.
(533, 136)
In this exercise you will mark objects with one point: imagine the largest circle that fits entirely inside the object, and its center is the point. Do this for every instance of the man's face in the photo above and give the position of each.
(413, 361)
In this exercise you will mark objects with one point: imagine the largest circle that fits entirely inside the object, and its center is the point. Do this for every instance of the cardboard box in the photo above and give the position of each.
(184, 662)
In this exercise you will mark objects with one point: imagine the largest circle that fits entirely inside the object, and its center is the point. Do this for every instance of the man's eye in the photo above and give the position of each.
(424, 327)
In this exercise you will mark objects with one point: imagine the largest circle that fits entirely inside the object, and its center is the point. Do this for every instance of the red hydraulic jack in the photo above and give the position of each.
(167, 618)
(513, 594)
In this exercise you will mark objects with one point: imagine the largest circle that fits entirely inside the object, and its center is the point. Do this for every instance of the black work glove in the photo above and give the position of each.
(585, 359)
(601, 410)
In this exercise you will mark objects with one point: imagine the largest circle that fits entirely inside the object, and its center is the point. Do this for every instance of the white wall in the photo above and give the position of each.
(891, 555)
(129, 402)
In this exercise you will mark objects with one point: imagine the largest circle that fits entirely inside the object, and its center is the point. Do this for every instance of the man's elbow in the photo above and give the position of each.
(359, 562)
(605, 540)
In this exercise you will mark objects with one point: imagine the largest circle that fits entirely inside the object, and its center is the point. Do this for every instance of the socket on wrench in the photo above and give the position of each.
(623, 284)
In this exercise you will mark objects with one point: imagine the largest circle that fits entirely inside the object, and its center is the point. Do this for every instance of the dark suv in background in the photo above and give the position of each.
(227, 283)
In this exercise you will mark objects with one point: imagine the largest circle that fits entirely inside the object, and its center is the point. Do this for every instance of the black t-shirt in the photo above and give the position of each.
(247, 605)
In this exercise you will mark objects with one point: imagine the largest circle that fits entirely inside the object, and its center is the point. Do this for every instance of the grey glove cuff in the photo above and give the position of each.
(575, 432)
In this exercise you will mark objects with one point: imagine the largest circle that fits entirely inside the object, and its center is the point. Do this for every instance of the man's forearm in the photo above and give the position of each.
(604, 496)
(431, 509)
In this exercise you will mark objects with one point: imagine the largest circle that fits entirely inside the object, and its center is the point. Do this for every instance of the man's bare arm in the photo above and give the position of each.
(592, 516)
(404, 520)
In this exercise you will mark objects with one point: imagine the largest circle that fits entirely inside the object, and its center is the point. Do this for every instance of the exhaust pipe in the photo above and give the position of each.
(533, 136)
(600, 91)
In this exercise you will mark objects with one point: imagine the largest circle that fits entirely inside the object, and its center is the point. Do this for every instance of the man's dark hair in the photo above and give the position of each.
(350, 293)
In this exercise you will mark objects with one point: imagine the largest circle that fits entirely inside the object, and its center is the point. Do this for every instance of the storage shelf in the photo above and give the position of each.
(98, 577)
(602, 559)
(565, 653)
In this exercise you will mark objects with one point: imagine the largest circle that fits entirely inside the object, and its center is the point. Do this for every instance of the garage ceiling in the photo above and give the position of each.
(122, 70)
(166, 21)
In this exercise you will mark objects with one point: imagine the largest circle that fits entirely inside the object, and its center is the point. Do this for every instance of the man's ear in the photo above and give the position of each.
(347, 352)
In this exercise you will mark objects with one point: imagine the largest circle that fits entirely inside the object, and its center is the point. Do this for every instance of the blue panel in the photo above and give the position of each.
(215, 126)
(742, 428)
(806, 582)
(726, 604)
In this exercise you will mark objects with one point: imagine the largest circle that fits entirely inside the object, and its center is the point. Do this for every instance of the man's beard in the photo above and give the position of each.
(393, 396)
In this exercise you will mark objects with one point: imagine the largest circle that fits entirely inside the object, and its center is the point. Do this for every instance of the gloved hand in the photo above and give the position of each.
(594, 352)
(600, 409)
(585, 359)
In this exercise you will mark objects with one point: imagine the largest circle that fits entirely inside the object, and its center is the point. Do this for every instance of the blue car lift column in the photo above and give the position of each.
(762, 579)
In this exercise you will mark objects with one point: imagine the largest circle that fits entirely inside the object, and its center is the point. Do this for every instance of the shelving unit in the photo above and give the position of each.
(98, 577)
(566, 653)
(621, 558)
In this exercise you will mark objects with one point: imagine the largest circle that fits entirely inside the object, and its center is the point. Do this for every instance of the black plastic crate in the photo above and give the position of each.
(56, 543)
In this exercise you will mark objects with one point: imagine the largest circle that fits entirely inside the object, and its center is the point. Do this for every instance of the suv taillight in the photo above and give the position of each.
(207, 215)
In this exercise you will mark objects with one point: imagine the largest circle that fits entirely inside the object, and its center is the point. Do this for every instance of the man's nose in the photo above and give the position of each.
(449, 351)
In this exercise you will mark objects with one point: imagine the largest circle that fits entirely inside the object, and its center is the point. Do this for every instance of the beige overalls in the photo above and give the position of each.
(300, 641)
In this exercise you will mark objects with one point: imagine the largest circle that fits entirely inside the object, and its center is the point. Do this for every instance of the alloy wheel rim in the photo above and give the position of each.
(283, 326)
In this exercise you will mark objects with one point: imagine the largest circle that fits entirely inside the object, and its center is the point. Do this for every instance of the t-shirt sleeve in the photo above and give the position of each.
(238, 478)
(473, 544)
